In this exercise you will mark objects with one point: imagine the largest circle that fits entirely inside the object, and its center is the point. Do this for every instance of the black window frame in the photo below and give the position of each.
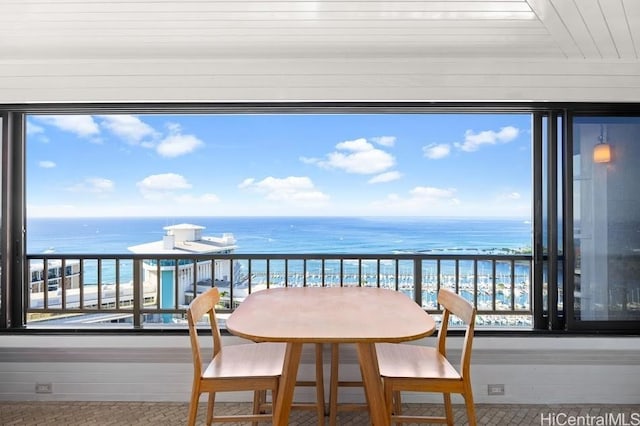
(556, 184)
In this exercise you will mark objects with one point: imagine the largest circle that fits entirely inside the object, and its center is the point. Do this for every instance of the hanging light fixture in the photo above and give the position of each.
(602, 150)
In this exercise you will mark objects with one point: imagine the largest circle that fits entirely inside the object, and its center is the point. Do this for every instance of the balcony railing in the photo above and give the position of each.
(130, 290)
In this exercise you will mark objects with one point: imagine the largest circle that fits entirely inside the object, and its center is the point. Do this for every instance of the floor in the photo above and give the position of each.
(169, 414)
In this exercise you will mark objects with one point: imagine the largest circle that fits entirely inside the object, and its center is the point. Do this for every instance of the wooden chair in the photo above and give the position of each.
(406, 367)
(245, 367)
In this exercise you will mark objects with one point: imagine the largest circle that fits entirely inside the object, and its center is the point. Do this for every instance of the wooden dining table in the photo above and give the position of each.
(363, 316)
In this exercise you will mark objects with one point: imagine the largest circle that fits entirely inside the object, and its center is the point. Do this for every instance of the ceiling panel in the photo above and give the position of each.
(574, 22)
(428, 28)
(598, 27)
(613, 27)
(590, 29)
(470, 49)
(618, 25)
(632, 10)
(152, 7)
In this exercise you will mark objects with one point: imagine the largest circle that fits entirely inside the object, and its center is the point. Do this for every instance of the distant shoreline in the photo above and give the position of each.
(394, 218)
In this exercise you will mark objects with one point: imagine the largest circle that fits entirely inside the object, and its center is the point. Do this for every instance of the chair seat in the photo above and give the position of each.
(247, 360)
(413, 361)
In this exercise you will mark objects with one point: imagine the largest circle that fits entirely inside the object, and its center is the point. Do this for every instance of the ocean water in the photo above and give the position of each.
(349, 235)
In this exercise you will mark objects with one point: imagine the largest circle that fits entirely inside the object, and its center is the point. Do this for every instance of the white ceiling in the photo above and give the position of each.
(519, 41)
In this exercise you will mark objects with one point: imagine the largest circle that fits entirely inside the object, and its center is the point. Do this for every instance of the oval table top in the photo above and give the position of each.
(330, 315)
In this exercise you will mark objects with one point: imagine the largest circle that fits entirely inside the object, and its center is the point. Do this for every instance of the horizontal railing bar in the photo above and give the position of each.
(280, 256)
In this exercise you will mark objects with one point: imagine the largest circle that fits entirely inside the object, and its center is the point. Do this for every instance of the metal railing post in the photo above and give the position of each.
(138, 296)
(417, 280)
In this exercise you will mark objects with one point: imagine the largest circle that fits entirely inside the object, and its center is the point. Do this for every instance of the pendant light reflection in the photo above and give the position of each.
(602, 150)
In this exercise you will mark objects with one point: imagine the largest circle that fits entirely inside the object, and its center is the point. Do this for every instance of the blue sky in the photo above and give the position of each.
(471, 165)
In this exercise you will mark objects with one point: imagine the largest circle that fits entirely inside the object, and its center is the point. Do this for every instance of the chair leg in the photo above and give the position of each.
(468, 402)
(258, 399)
(193, 405)
(397, 403)
(320, 409)
(388, 398)
(261, 399)
(274, 396)
(366, 396)
(333, 384)
(210, 403)
(448, 408)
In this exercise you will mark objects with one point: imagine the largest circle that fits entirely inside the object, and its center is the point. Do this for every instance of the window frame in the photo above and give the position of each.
(13, 213)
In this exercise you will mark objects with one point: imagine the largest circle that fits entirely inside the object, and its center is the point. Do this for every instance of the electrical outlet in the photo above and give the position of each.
(495, 390)
(44, 387)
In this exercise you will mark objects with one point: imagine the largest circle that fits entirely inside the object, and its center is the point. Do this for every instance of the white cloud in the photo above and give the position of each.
(310, 160)
(162, 186)
(247, 183)
(81, 125)
(385, 140)
(432, 194)
(473, 141)
(93, 185)
(128, 127)
(164, 181)
(357, 145)
(421, 200)
(510, 196)
(46, 164)
(514, 196)
(177, 144)
(357, 156)
(34, 129)
(289, 189)
(385, 177)
(168, 189)
(436, 151)
(101, 184)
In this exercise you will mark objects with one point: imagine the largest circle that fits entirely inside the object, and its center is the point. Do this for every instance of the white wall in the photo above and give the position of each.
(540, 370)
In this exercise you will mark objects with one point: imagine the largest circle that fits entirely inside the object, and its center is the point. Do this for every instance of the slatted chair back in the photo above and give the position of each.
(454, 304)
(203, 305)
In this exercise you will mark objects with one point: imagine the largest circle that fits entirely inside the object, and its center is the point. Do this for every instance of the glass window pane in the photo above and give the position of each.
(606, 226)
(397, 188)
(1, 282)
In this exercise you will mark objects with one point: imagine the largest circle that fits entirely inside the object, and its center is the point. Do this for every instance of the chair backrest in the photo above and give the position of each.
(203, 304)
(457, 305)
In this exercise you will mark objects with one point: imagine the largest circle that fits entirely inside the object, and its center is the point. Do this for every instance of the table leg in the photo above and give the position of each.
(288, 380)
(373, 384)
